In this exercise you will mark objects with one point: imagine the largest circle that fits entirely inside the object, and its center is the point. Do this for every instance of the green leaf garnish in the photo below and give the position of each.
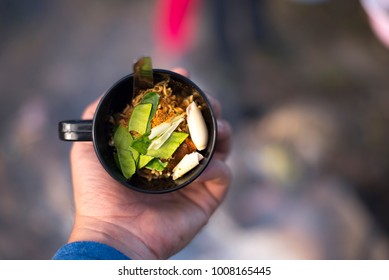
(153, 99)
(140, 118)
(126, 157)
(144, 160)
(141, 143)
(156, 164)
(127, 163)
(122, 139)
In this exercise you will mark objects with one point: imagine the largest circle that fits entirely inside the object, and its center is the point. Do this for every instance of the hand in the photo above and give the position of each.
(145, 226)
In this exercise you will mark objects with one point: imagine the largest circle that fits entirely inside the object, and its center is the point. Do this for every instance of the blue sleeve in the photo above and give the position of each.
(88, 250)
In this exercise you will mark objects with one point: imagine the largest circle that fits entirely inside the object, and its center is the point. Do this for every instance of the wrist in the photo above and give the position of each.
(92, 229)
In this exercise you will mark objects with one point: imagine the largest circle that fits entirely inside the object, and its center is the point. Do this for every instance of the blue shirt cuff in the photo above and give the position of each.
(88, 250)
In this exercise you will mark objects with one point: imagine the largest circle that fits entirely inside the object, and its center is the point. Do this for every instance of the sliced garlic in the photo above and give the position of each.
(187, 163)
(158, 130)
(197, 127)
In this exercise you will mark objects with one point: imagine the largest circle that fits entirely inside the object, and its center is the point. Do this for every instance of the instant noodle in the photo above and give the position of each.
(155, 133)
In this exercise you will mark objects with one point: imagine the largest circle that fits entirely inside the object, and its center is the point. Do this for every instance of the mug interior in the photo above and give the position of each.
(116, 99)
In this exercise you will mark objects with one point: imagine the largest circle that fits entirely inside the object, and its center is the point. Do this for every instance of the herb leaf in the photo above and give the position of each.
(141, 143)
(140, 118)
(143, 161)
(127, 163)
(126, 157)
(153, 99)
(156, 164)
(122, 139)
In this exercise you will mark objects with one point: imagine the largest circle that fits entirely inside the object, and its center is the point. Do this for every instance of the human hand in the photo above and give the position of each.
(140, 225)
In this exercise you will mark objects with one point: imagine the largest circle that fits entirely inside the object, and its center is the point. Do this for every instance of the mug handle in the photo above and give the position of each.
(75, 130)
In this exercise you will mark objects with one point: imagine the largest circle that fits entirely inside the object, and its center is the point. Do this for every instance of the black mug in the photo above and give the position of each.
(100, 129)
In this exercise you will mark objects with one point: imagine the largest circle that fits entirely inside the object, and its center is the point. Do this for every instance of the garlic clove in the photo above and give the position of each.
(187, 163)
(197, 126)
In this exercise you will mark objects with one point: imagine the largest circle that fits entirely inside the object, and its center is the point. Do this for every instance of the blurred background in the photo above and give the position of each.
(304, 84)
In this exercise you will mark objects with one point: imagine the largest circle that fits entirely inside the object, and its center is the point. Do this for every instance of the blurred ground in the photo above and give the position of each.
(304, 86)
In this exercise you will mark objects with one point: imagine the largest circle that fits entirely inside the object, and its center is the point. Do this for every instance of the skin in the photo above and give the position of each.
(145, 226)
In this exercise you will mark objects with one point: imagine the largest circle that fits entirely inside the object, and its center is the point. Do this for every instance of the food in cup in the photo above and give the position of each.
(159, 134)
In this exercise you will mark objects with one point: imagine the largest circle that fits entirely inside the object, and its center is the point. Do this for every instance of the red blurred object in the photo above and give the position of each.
(175, 26)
